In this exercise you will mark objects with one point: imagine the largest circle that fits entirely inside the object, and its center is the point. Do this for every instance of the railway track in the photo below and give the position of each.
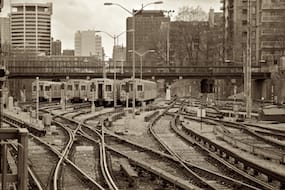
(275, 134)
(128, 150)
(211, 175)
(33, 182)
(46, 169)
(261, 142)
(98, 164)
(118, 147)
(239, 162)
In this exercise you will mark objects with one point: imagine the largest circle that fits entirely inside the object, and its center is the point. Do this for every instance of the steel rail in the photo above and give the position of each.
(60, 155)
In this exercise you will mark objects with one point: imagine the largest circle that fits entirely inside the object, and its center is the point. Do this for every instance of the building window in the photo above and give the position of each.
(30, 8)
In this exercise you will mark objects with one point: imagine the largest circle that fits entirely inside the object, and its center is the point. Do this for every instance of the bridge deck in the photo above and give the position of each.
(81, 71)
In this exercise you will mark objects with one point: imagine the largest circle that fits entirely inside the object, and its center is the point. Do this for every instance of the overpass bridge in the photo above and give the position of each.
(59, 67)
(22, 72)
(157, 72)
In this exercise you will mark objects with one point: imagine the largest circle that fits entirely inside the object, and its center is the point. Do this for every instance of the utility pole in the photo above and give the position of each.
(248, 63)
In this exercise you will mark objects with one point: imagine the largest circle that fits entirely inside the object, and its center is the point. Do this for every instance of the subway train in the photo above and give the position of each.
(79, 90)
(103, 89)
(48, 90)
(145, 91)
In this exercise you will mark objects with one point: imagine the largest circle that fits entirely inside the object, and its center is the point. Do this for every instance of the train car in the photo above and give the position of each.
(48, 90)
(103, 91)
(146, 91)
(77, 90)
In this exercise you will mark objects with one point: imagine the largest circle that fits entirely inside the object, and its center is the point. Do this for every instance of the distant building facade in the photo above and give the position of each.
(4, 30)
(267, 36)
(68, 52)
(87, 43)
(56, 47)
(147, 35)
(119, 53)
(31, 27)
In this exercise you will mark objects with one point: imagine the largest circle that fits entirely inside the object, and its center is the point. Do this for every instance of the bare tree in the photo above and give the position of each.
(186, 13)
(192, 41)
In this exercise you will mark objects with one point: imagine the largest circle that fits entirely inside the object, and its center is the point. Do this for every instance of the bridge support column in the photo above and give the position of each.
(281, 91)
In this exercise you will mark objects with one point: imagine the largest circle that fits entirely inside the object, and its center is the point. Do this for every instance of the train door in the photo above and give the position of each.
(100, 91)
(41, 91)
(76, 90)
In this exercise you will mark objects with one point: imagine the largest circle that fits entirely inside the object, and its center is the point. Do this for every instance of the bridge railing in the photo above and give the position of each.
(126, 69)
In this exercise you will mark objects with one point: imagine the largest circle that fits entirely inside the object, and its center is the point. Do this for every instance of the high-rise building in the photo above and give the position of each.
(215, 38)
(31, 27)
(147, 35)
(270, 30)
(4, 30)
(56, 47)
(87, 43)
(119, 53)
(267, 26)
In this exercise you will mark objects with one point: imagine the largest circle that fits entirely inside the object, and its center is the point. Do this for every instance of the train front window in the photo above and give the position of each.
(76, 86)
(34, 88)
(123, 87)
(108, 88)
(140, 88)
(69, 87)
(47, 88)
(41, 87)
(83, 88)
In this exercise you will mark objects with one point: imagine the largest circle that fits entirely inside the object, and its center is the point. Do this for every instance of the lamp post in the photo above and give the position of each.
(37, 101)
(141, 58)
(93, 97)
(134, 13)
(115, 37)
(248, 62)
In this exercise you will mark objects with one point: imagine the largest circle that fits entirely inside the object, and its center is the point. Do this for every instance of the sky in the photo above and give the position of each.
(70, 16)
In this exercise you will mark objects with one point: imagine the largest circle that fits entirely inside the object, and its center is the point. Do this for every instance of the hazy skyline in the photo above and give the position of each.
(70, 16)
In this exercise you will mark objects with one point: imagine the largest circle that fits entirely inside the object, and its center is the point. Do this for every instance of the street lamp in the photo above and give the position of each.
(134, 13)
(93, 97)
(114, 61)
(141, 56)
(37, 100)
